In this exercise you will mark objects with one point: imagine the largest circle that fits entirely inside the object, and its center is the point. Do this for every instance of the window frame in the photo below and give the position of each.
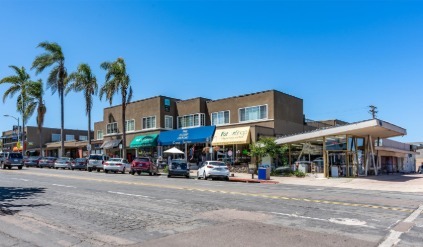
(111, 129)
(259, 113)
(224, 122)
(191, 120)
(126, 125)
(144, 123)
(98, 138)
(166, 117)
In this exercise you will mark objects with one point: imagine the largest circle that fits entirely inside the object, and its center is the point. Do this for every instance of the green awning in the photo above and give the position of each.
(144, 141)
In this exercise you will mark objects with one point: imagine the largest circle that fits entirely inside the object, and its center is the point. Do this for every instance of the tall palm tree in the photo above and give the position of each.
(36, 102)
(56, 81)
(84, 80)
(117, 80)
(19, 83)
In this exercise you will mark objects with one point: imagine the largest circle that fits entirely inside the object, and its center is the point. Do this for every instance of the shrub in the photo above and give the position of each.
(166, 169)
(299, 174)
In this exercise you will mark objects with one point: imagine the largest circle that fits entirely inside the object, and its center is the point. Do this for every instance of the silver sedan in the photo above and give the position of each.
(116, 165)
(64, 163)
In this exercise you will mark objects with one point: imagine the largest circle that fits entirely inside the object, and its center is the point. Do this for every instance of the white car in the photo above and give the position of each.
(116, 165)
(213, 169)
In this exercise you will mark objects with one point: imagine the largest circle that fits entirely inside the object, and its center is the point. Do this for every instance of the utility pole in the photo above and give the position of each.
(373, 110)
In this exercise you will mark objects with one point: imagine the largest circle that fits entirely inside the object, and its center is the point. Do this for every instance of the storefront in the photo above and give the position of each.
(112, 148)
(350, 150)
(194, 142)
(145, 145)
(232, 144)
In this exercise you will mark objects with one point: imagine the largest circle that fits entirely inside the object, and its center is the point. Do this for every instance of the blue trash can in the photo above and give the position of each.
(262, 173)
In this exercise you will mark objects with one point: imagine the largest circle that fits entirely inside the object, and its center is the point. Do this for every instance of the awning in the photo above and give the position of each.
(111, 144)
(144, 141)
(230, 136)
(374, 127)
(192, 135)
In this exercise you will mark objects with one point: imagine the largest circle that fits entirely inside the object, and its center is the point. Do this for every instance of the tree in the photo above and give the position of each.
(19, 83)
(56, 81)
(36, 102)
(84, 80)
(267, 146)
(117, 80)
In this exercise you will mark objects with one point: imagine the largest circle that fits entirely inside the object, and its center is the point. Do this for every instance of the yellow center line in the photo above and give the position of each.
(224, 192)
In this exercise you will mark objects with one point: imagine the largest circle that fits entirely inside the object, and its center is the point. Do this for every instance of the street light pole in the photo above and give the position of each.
(17, 119)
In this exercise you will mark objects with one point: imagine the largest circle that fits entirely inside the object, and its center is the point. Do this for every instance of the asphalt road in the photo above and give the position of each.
(42, 207)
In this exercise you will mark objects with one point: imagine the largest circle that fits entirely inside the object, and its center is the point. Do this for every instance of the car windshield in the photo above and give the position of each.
(142, 159)
(115, 159)
(217, 163)
(15, 156)
(95, 157)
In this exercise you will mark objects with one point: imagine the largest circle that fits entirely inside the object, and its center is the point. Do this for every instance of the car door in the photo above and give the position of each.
(201, 169)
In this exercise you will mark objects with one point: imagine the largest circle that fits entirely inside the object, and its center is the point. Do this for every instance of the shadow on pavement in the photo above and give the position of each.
(9, 195)
(394, 177)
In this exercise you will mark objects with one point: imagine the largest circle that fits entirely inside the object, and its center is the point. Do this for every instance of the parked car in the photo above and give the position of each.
(32, 161)
(144, 164)
(116, 165)
(79, 163)
(213, 169)
(96, 162)
(64, 163)
(11, 159)
(47, 162)
(178, 168)
(282, 170)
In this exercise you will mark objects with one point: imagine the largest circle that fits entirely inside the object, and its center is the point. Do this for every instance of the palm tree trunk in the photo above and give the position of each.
(41, 142)
(89, 126)
(62, 124)
(124, 129)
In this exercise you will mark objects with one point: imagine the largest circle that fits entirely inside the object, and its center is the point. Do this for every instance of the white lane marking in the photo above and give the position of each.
(126, 194)
(341, 221)
(394, 236)
(61, 185)
(26, 180)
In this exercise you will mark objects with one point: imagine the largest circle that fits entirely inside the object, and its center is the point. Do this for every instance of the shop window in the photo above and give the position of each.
(130, 125)
(149, 122)
(99, 135)
(168, 122)
(193, 120)
(253, 113)
(112, 128)
(220, 118)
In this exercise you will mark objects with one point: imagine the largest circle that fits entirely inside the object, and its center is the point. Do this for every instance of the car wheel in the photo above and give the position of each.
(187, 176)
(226, 178)
(27, 166)
(72, 169)
(139, 173)
(198, 175)
(98, 170)
(106, 171)
(150, 173)
(3, 166)
(57, 168)
(132, 172)
(123, 171)
(20, 167)
(168, 175)
(9, 167)
(90, 170)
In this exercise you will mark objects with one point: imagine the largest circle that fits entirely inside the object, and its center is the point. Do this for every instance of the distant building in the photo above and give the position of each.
(49, 140)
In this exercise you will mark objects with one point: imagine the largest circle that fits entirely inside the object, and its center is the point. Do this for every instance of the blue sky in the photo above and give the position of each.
(339, 57)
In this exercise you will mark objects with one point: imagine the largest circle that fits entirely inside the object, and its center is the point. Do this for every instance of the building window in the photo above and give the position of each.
(55, 137)
(220, 118)
(193, 120)
(253, 113)
(130, 125)
(112, 128)
(149, 122)
(83, 138)
(168, 122)
(99, 134)
(70, 138)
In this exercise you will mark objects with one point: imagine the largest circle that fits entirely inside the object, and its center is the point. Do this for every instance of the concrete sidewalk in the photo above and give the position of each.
(392, 182)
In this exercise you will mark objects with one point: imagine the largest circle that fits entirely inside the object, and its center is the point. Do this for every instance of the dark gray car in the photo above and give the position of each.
(178, 168)
(12, 159)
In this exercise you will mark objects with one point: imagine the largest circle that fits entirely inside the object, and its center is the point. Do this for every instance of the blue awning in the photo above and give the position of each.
(192, 135)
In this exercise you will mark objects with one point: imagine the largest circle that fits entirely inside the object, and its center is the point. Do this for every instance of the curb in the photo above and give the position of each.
(249, 180)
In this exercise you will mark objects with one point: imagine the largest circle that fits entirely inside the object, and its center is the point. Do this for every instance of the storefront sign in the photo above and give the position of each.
(232, 136)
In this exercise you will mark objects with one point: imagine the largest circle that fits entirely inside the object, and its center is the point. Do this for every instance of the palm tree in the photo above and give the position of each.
(117, 80)
(35, 101)
(19, 83)
(84, 80)
(56, 81)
